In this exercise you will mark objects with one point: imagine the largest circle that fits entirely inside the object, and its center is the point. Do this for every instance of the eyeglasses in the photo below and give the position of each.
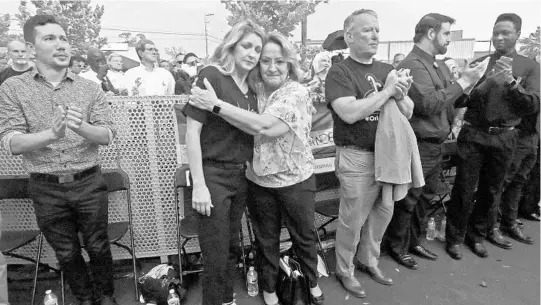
(277, 62)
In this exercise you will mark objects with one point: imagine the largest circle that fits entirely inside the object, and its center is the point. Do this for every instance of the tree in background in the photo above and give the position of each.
(132, 40)
(281, 16)
(80, 20)
(173, 51)
(5, 37)
(530, 44)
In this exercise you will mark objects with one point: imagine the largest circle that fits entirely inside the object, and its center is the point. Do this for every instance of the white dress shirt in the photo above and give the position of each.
(144, 82)
(91, 75)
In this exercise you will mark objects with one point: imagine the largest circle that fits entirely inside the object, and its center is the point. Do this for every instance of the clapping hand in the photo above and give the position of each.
(501, 73)
(73, 117)
(404, 83)
(59, 123)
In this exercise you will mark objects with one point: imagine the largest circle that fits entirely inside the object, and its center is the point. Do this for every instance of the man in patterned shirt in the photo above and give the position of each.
(56, 120)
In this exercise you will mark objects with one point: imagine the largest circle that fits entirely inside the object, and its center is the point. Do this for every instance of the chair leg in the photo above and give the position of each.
(134, 263)
(180, 257)
(243, 254)
(249, 227)
(177, 221)
(63, 288)
(322, 250)
(40, 244)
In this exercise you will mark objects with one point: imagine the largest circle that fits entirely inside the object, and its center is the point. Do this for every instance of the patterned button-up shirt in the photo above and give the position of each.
(28, 104)
(288, 159)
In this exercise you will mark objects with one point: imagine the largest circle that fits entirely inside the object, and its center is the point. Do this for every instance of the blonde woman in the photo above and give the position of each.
(217, 153)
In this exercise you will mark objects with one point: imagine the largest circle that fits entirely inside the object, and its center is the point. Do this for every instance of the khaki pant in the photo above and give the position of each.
(363, 216)
(3, 274)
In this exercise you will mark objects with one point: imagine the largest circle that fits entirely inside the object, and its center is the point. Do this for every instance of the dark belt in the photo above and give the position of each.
(356, 147)
(493, 130)
(66, 178)
(523, 133)
(224, 165)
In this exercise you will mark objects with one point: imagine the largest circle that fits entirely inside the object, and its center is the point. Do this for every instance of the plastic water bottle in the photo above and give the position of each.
(442, 228)
(173, 298)
(431, 229)
(251, 278)
(50, 298)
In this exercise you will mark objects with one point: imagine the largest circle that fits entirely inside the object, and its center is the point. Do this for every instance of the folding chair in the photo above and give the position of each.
(16, 187)
(118, 180)
(187, 226)
(329, 207)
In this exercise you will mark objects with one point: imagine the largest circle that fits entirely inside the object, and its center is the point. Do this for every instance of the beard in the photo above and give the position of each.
(440, 48)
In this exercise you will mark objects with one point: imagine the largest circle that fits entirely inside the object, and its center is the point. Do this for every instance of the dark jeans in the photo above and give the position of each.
(405, 228)
(517, 176)
(219, 232)
(482, 158)
(529, 202)
(295, 207)
(63, 210)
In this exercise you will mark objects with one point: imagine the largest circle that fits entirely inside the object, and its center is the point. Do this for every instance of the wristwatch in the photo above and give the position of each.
(216, 109)
(512, 84)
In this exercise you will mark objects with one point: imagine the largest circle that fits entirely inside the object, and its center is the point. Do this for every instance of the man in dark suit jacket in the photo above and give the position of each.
(434, 96)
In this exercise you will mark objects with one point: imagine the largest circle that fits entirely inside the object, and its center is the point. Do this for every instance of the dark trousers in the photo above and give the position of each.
(518, 175)
(529, 202)
(482, 158)
(295, 207)
(219, 232)
(63, 210)
(405, 228)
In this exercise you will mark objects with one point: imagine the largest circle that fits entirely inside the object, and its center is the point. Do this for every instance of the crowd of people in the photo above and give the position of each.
(249, 118)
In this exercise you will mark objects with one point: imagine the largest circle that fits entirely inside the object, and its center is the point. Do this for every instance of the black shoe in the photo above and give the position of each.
(352, 285)
(496, 238)
(108, 300)
(515, 232)
(405, 260)
(320, 300)
(454, 251)
(532, 217)
(478, 249)
(423, 252)
(375, 273)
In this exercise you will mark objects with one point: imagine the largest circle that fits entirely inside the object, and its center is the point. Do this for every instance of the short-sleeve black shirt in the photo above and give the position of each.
(9, 72)
(221, 141)
(351, 78)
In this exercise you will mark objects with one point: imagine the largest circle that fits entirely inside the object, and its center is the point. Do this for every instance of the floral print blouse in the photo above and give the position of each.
(285, 160)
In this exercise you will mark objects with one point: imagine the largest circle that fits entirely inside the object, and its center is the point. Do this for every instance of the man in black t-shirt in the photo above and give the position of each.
(19, 61)
(355, 89)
